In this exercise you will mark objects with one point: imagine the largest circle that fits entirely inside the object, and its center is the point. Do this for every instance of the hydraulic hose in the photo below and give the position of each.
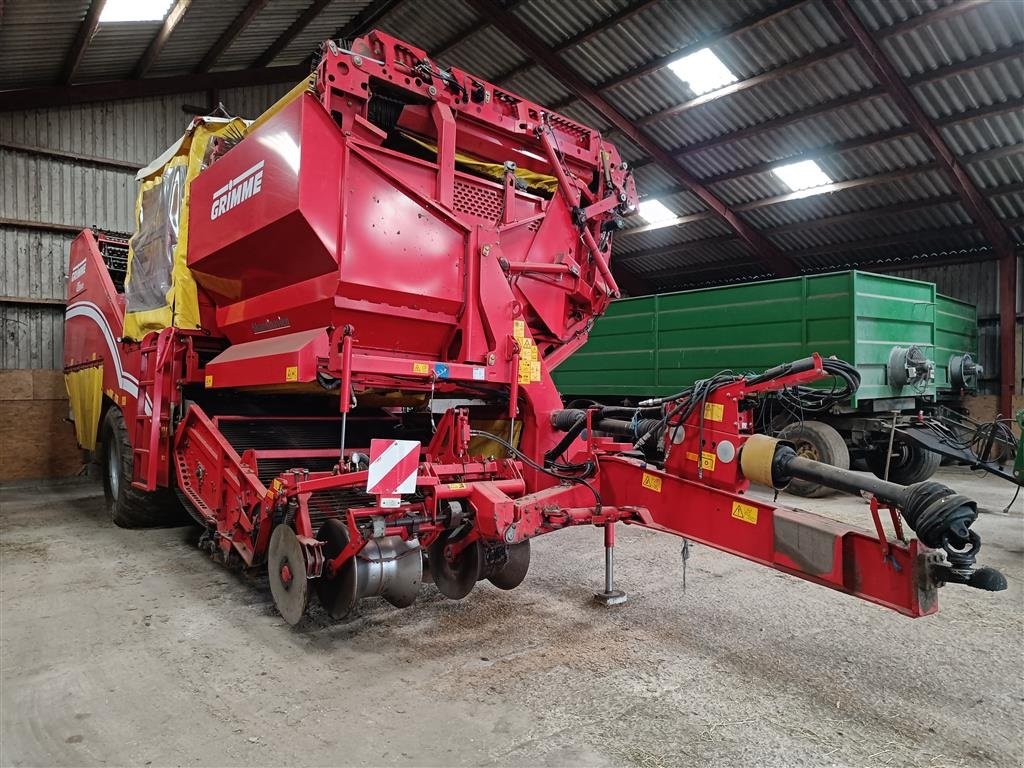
(939, 516)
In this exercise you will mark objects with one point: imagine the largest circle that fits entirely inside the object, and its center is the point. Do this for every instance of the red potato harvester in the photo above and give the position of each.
(343, 368)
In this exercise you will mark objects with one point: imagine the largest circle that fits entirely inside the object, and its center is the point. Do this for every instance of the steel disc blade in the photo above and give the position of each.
(455, 579)
(337, 594)
(285, 557)
(514, 571)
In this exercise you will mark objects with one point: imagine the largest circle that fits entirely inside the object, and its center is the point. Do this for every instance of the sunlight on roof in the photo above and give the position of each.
(655, 212)
(702, 71)
(802, 175)
(134, 10)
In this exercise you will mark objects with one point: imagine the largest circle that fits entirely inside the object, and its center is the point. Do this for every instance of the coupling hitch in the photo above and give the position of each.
(939, 516)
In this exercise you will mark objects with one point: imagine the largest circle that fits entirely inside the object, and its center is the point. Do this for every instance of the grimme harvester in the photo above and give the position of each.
(332, 336)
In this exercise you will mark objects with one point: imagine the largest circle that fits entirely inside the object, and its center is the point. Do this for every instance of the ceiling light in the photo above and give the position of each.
(655, 212)
(134, 10)
(802, 175)
(702, 71)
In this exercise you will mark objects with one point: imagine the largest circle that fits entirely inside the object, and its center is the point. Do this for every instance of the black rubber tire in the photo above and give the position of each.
(128, 506)
(821, 442)
(911, 463)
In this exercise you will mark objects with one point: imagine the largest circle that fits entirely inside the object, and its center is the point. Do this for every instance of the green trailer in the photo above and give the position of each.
(910, 345)
(956, 347)
(655, 345)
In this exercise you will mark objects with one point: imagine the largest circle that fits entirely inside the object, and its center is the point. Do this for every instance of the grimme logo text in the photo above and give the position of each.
(238, 190)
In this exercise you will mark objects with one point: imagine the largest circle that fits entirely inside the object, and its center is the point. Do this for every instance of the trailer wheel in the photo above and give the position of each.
(911, 463)
(128, 506)
(821, 442)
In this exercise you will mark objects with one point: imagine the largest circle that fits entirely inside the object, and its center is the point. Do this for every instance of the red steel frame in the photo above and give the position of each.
(530, 284)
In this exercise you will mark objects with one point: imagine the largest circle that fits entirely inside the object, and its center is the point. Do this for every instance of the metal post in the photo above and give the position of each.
(611, 595)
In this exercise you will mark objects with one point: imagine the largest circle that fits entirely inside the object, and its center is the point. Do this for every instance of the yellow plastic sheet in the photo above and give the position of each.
(85, 393)
(159, 287)
(534, 181)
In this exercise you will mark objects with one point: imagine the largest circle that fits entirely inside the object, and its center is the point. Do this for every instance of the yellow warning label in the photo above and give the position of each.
(651, 482)
(707, 460)
(291, 373)
(456, 486)
(714, 411)
(276, 486)
(524, 376)
(208, 381)
(535, 370)
(420, 368)
(519, 329)
(744, 512)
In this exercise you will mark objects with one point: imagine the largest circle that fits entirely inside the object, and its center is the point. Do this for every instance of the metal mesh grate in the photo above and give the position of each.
(477, 201)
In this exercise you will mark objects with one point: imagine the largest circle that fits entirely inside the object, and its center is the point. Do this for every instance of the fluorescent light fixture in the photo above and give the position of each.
(655, 212)
(134, 10)
(802, 175)
(702, 71)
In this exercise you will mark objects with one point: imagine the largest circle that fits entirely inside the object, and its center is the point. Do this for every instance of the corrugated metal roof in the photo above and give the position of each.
(335, 16)
(201, 26)
(751, 127)
(264, 29)
(34, 36)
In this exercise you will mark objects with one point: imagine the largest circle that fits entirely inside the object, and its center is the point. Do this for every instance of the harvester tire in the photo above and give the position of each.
(911, 463)
(128, 506)
(821, 442)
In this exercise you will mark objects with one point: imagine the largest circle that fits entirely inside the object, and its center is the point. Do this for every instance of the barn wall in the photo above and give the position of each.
(978, 284)
(44, 200)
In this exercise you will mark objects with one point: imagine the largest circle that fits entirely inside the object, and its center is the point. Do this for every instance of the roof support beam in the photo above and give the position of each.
(447, 46)
(157, 44)
(83, 37)
(793, 67)
(522, 36)
(825, 221)
(977, 206)
(366, 19)
(285, 38)
(234, 29)
(1010, 105)
(934, 237)
(742, 25)
(1002, 54)
(63, 96)
(583, 36)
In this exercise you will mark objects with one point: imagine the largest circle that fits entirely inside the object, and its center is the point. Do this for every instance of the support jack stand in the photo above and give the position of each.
(611, 595)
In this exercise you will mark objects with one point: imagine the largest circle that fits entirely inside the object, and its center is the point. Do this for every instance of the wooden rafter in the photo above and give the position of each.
(83, 37)
(156, 45)
(229, 35)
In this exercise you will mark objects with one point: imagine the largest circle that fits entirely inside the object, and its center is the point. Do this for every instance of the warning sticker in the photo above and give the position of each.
(714, 411)
(291, 373)
(744, 512)
(208, 381)
(456, 486)
(707, 460)
(420, 368)
(651, 482)
(518, 328)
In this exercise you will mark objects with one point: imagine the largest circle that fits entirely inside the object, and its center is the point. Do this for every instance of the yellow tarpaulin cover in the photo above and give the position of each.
(532, 179)
(85, 393)
(159, 288)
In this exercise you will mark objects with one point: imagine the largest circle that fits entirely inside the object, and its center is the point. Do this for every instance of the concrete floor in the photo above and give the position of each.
(132, 648)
